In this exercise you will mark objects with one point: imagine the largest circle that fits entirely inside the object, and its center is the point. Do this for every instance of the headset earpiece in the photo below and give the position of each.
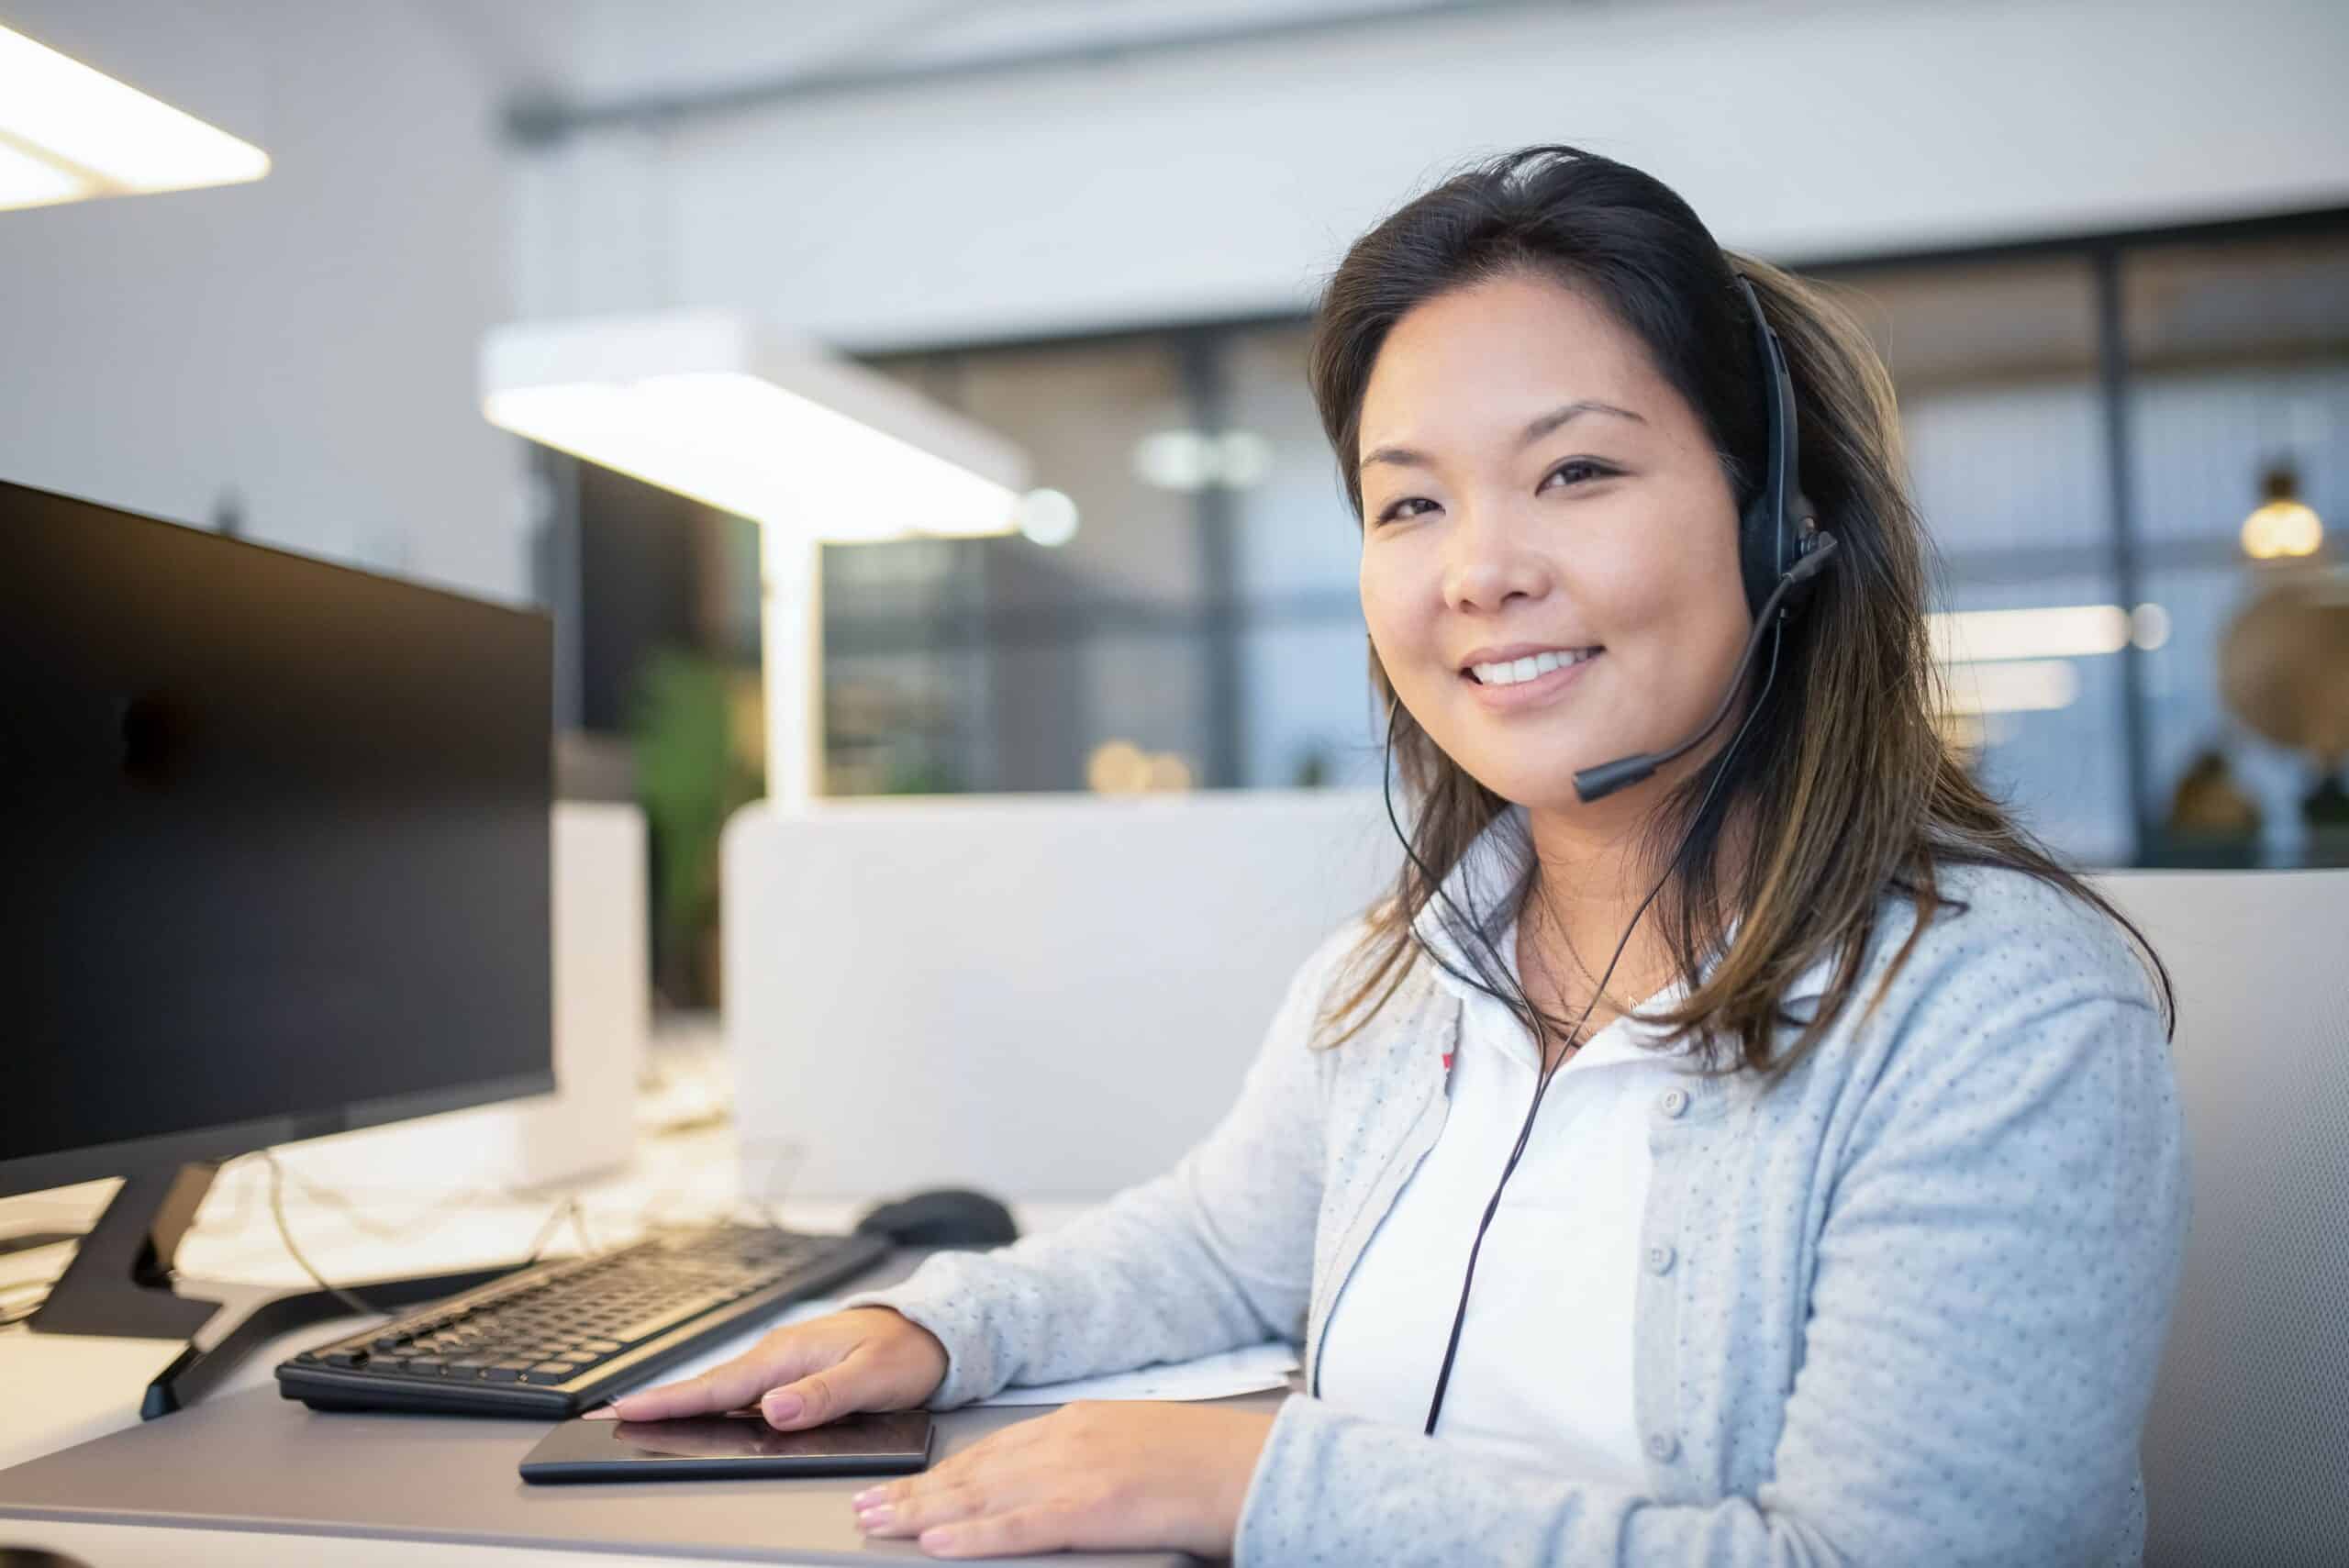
(1781, 526)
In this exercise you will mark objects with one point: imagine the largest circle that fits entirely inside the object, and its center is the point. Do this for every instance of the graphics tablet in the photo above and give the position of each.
(740, 1443)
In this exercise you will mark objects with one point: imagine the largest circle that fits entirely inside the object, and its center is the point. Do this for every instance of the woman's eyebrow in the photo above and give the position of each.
(1405, 457)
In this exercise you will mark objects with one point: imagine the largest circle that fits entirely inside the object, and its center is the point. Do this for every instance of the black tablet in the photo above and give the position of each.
(740, 1443)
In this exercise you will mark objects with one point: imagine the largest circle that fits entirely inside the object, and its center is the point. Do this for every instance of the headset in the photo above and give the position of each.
(1781, 552)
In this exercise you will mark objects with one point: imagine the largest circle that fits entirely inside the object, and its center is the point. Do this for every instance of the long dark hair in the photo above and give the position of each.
(1834, 815)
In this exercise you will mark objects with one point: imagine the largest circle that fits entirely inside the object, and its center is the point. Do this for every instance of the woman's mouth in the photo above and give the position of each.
(1522, 682)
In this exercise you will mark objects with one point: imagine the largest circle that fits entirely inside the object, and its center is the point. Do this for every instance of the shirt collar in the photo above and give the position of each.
(1486, 880)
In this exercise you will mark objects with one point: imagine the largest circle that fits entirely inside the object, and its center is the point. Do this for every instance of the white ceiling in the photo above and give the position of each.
(586, 54)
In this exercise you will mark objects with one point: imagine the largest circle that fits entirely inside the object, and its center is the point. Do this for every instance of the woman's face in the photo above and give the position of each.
(1533, 490)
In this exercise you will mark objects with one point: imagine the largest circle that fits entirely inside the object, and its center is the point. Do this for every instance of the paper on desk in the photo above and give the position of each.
(1248, 1371)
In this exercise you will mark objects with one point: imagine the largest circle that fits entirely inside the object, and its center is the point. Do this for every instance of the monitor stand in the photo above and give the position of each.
(122, 1283)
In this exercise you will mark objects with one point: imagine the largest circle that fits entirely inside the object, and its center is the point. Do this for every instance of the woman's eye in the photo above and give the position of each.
(1396, 511)
(1577, 471)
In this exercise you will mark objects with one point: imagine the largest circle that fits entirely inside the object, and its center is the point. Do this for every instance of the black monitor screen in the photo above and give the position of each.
(273, 845)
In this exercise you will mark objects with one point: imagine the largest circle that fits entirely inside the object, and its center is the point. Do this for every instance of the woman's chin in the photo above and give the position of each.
(1538, 785)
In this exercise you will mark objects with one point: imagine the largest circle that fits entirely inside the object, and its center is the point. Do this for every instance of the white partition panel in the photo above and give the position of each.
(1046, 996)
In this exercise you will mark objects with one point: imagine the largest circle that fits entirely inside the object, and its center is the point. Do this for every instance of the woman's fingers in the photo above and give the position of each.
(777, 1359)
(728, 1387)
(1040, 1527)
(910, 1513)
(975, 1481)
(826, 1395)
(1090, 1474)
(866, 1359)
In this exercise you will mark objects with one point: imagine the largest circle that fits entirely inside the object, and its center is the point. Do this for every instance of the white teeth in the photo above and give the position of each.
(1510, 671)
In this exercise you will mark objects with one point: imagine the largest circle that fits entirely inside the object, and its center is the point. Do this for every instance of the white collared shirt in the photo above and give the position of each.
(1543, 1371)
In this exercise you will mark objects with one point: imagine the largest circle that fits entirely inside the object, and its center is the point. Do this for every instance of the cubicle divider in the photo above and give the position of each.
(1046, 996)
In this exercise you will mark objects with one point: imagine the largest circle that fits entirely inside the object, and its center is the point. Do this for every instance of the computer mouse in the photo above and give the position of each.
(949, 1216)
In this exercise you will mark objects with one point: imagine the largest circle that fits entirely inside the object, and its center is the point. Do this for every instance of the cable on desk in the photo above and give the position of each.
(782, 1170)
(569, 1208)
(424, 1222)
(293, 1248)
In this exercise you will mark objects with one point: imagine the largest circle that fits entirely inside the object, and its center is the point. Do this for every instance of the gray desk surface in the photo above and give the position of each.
(256, 1462)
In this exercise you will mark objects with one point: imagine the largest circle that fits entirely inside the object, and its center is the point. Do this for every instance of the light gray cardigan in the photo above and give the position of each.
(1904, 1307)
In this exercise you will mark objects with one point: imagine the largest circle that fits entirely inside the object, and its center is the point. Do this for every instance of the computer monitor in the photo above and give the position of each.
(273, 863)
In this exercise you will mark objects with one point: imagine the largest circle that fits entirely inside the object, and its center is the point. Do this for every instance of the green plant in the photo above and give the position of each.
(692, 771)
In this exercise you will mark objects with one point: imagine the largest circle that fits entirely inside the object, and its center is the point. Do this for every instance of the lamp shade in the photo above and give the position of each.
(747, 417)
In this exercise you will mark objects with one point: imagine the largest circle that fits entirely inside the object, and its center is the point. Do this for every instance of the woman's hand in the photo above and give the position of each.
(1095, 1475)
(864, 1358)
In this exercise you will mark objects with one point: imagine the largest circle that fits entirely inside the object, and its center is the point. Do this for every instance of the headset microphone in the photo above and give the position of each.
(1780, 549)
(1594, 784)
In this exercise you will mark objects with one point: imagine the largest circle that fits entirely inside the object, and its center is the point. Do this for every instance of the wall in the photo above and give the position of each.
(1226, 179)
(306, 341)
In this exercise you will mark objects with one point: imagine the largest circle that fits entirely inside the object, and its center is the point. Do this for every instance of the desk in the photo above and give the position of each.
(252, 1480)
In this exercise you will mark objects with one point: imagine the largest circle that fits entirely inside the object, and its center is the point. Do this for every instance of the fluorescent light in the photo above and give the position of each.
(1192, 459)
(2029, 685)
(1175, 460)
(2054, 631)
(743, 416)
(740, 416)
(2058, 631)
(27, 180)
(98, 137)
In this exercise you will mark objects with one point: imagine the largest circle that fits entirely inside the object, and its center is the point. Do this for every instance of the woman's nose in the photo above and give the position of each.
(1489, 562)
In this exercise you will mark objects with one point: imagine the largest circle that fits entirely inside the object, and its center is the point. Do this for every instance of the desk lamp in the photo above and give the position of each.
(743, 416)
(69, 133)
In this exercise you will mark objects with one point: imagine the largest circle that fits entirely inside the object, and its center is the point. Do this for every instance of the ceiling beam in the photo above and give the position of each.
(543, 119)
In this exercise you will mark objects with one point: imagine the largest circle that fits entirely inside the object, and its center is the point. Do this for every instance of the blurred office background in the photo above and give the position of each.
(2104, 247)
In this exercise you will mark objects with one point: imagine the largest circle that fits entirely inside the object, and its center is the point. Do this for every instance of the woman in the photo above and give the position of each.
(1769, 1157)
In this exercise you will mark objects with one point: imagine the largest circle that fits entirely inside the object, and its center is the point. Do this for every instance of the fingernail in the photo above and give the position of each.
(867, 1497)
(601, 1413)
(880, 1515)
(781, 1406)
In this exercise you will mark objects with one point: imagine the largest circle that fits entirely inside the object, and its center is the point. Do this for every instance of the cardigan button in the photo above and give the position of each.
(1660, 1257)
(1662, 1446)
(1673, 1101)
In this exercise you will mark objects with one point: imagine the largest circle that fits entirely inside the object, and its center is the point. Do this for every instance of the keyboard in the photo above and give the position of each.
(557, 1337)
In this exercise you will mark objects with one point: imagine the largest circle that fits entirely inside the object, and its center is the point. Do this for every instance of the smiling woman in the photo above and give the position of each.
(1833, 1216)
